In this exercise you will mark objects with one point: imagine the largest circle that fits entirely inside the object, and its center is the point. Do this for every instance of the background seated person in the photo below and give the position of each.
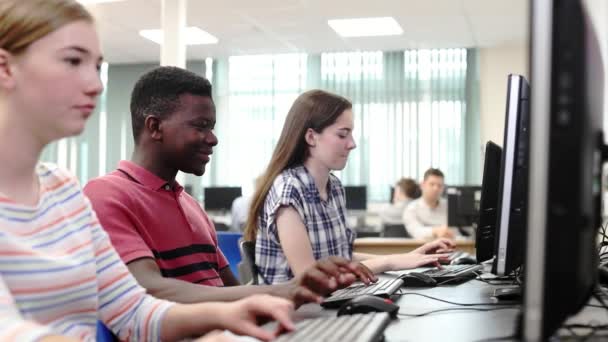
(427, 217)
(406, 190)
(240, 209)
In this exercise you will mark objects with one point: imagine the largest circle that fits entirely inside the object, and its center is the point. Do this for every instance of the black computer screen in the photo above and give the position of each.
(512, 209)
(220, 198)
(488, 203)
(566, 145)
(463, 205)
(356, 197)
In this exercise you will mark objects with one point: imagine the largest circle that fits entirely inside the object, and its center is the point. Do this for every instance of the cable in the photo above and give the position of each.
(600, 299)
(455, 309)
(449, 302)
(456, 279)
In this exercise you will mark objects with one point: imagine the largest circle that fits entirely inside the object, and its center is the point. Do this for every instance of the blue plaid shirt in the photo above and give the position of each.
(325, 222)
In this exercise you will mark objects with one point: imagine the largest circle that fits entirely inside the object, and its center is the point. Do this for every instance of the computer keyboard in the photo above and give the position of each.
(452, 256)
(450, 272)
(357, 328)
(383, 288)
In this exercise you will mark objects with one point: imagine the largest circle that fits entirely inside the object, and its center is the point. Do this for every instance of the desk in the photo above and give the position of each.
(399, 245)
(457, 325)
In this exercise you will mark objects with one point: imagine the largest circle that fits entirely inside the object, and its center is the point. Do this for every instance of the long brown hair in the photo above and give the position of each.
(409, 187)
(22, 22)
(315, 109)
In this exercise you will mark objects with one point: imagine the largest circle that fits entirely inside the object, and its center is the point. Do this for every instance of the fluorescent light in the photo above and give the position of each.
(194, 36)
(366, 27)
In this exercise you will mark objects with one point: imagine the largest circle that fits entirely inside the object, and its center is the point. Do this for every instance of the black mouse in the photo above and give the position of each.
(367, 303)
(464, 260)
(417, 279)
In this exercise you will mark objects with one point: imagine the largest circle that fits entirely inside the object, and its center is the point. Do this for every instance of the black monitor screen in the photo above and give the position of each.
(220, 198)
(567, 83)
(488, 203)
(356, 197)
(511, 214)
(463, 205)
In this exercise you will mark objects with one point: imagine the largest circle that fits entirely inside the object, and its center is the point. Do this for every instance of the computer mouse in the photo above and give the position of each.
(417, 279)
(464, 260)
(366, 303)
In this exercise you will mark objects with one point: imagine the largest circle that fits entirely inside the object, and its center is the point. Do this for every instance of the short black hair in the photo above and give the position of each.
(433, 172)
(157, 93)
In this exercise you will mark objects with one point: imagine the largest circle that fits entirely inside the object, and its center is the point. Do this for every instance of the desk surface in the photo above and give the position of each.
(374, 245)
(457, 325)
(373, 241)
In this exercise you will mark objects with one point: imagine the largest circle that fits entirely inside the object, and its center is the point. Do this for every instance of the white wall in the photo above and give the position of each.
(497, 62)
(598, 10)
(494, 65)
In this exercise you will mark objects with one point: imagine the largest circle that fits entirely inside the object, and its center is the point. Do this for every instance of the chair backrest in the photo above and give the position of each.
(247, 249)
(228, 242)
(104, 334)
(395, 230)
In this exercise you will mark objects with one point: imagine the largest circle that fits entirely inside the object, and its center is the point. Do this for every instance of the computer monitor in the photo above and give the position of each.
(513, 190)
(565, 163)
(463, 205)
(488, 203)
(220, 198)
(356, 197)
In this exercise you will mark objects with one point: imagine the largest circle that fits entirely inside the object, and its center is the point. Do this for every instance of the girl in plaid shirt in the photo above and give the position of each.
(298, 214)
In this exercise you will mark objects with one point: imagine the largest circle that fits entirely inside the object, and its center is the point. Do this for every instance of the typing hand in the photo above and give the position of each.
(242, 316)
(365, 274)
(436, 246)
(215, 336)
(415, 259)
(324, 277)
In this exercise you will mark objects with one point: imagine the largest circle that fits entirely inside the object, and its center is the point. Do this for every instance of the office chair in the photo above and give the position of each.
(395, 230)
(104, 334)
(247, 249)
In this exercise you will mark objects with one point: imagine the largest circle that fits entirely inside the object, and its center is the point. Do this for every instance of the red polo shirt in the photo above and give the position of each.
(145, 218)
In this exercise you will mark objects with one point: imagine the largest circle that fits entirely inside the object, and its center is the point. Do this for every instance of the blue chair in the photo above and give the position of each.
(229, 244)
(104, 334)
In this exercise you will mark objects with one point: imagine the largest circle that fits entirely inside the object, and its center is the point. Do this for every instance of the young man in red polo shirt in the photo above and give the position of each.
(161, 233)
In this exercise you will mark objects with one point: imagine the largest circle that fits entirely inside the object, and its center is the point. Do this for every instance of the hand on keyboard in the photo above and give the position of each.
(412, 260)
(324, 277)
(365, 274)
(436, 246)
(431, 253)
(242, 316)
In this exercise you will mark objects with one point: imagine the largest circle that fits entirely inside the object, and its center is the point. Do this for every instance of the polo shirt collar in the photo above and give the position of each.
(145, 177)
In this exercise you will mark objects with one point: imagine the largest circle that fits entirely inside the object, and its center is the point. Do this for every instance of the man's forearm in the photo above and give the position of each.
(184, 292)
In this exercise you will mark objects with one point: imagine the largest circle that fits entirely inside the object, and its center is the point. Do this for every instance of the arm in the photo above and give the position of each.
(149, 276)
(296, 246)
(294, 240)
(241, 317)
(429, 253)
(14, 327)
